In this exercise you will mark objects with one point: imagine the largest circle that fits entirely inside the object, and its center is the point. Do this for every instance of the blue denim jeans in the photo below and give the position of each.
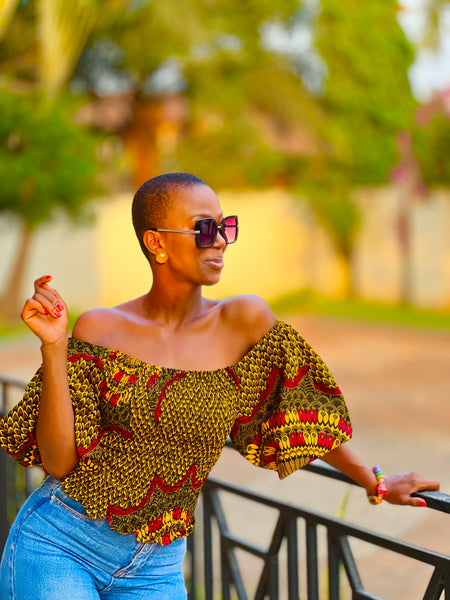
(55, 551)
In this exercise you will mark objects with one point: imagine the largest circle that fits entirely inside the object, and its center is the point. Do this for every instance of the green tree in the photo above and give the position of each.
(431, 144)
(366, 100)
(233, 83)
(424, 164)
(47, 161)
(232, 80)
(47, 165)
(251, 118)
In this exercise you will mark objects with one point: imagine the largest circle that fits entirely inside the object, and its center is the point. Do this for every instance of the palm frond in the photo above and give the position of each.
(7, 8)
(63, 28)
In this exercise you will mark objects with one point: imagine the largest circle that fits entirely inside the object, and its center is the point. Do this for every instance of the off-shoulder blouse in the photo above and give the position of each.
(148, 436)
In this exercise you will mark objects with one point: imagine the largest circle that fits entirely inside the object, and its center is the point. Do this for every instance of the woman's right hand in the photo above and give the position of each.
(45, 313)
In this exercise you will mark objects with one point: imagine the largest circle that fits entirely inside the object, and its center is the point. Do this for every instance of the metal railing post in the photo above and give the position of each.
(192, 592)
(333, 567)
(338, 531)
(292, 550)
(312, 570)
(4, 525)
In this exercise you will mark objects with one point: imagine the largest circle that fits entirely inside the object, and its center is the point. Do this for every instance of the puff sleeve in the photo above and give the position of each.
(291, 409)
(86, 381)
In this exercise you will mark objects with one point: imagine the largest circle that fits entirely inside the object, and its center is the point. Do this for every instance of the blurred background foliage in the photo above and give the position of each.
(47, 163)
(311, 95)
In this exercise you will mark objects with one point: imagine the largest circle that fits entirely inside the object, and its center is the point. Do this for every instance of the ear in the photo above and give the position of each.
(152, 242)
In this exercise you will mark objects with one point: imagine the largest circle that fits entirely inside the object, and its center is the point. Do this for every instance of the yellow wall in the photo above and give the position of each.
(123, 273)
(272, 256)
(280, 249)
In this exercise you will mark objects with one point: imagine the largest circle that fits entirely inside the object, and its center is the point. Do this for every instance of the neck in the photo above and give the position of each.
(172, 305)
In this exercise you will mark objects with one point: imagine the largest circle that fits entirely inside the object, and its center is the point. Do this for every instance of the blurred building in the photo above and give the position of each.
(281, 248)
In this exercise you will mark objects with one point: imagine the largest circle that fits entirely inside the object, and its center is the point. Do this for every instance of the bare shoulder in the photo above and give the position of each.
(94, 325)
(248, 314)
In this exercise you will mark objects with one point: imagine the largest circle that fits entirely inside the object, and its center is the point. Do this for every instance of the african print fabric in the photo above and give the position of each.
(148, 436)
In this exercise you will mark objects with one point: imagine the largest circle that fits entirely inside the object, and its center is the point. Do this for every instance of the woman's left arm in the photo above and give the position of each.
(399, 487)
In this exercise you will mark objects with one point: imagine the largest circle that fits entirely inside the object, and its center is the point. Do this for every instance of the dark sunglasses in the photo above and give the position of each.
(206, 231)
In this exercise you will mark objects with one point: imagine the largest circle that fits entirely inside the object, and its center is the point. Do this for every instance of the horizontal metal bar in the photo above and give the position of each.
(363, 595)
(5, 384)
(339, 526)
(243, 545)
(9, 381)
(435, 500)
(321, 468)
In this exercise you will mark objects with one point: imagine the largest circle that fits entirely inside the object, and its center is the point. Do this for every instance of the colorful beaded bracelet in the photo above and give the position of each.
(381, 488)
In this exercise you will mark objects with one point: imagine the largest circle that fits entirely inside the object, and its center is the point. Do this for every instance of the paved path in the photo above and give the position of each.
(397, 384)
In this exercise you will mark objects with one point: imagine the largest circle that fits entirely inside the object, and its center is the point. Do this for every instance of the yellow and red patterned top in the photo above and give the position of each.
(148, 436)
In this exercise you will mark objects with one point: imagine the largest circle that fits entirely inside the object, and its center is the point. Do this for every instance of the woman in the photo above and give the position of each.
(127, 443)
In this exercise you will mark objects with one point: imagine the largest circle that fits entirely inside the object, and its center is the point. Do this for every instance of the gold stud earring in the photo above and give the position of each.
(161, 256)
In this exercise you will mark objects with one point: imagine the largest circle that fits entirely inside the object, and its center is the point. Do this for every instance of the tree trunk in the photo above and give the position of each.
(151, 136)
(349, 286)
(405, 244)
(140, 139)
(10, 300)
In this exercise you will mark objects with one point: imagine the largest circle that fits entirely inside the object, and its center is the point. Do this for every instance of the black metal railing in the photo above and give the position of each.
(16, 483)
(213, 567)
(221, 563)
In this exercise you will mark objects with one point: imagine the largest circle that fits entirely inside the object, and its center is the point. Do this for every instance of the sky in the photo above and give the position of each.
(431, 69)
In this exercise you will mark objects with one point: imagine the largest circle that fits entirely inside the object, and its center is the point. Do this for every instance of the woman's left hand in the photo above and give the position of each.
(400, 487)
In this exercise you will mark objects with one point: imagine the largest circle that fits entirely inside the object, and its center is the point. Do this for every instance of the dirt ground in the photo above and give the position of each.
(397, 384)
(396, 381)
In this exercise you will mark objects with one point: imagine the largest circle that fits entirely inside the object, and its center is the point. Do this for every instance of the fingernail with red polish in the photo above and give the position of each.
(422, 503)
(59, 306)
(48, 277)
(46, 311)
(56, 313)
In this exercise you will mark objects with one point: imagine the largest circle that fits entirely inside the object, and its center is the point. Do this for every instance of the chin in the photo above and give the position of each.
(211, 281)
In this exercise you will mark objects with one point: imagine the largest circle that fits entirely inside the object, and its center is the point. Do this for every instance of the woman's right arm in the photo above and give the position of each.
(46, 315)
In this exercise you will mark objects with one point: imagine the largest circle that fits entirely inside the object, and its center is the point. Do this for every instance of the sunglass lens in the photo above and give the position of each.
(230, 227)
(208, 231)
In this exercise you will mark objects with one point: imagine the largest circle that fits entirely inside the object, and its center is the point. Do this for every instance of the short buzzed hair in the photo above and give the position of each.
(154, 198)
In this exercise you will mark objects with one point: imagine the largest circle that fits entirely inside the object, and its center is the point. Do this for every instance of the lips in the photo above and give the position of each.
(216, 262)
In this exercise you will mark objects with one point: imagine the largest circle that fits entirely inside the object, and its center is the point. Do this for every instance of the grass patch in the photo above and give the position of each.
(18, 329)
(308, 301)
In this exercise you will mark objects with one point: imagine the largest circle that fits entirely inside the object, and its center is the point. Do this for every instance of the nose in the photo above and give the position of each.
(221, 240)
